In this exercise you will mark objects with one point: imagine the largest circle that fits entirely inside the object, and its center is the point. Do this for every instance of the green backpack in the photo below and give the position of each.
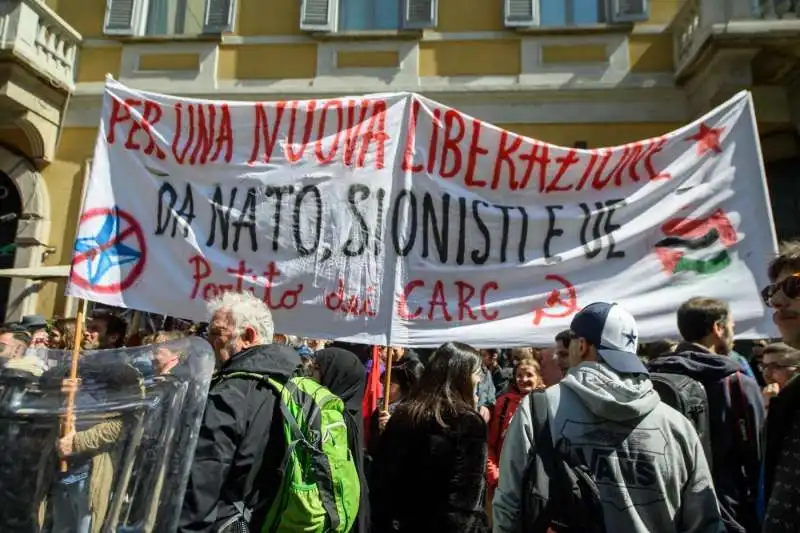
(320, 491)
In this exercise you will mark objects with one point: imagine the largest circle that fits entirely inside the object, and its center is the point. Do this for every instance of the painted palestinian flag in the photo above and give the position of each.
(700, 245)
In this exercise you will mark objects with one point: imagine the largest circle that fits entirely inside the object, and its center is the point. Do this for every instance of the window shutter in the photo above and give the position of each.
(629, 10)
(521, 13)
(318, 15)
(120, 17)
(420, 14)
(219, 16)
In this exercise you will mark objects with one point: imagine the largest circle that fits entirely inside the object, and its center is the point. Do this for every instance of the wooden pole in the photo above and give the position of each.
(388, 380)
(68, 424)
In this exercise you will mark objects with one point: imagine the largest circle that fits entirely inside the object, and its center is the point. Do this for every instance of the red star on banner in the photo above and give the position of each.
(707, 139)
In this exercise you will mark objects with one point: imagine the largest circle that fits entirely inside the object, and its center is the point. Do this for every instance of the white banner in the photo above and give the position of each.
(393, 219)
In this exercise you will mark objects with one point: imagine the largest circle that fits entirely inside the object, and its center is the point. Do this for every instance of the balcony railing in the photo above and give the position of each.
(698, 20)
(34, 33)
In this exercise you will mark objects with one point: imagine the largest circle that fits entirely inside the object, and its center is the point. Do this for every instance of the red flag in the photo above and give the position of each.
(372, 394)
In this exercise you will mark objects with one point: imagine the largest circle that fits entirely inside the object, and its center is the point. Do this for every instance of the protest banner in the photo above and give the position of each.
(393, 219)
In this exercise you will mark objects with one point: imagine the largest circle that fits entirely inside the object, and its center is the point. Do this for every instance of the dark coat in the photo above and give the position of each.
(784, 409)
(241, 442)
(430, 478)
(735, 467)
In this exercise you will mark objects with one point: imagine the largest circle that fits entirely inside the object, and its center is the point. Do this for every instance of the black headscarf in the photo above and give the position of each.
(345, 376)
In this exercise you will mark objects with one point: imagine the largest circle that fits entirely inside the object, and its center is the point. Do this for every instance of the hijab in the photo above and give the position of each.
(345, 376)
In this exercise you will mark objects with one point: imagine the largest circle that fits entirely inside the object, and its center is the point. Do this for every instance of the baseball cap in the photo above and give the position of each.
(612, 331)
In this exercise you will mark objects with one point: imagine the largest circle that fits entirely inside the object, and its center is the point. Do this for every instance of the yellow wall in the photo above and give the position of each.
(276, 17)
(469, 58)
(470, 15)
(64, 181)
(95, 63)
(662, 11)
(86, 16)
(268, 61)
(651, 53)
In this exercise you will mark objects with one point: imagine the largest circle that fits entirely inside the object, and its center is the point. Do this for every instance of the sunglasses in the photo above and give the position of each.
(789, 286)
(773, 366)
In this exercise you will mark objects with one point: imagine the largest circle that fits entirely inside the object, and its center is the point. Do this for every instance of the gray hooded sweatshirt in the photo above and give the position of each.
(646, 457)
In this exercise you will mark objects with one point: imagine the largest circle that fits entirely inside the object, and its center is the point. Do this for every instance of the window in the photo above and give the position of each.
(565, 13)
(175, 17)
(357, 15)
(168, 17)
(333, 16)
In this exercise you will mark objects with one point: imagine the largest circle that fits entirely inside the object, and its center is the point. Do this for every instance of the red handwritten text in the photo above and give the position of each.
(449, 301)
(262, 285)
(352, 304)
(459, 145)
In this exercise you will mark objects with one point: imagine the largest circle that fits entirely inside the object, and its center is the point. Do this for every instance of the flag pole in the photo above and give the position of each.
(388, 379)
(68, 424)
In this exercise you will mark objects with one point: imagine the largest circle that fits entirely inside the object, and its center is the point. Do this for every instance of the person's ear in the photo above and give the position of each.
(249, 335)
(583, 348)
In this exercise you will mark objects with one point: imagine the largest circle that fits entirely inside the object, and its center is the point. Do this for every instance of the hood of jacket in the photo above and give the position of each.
(695, 362)
(609, 395)
(277, 360)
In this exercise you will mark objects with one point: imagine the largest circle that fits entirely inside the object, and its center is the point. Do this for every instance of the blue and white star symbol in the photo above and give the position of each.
(106, 250)
(630, 336)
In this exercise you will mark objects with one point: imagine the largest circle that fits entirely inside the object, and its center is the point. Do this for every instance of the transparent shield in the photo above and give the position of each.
(124, 467)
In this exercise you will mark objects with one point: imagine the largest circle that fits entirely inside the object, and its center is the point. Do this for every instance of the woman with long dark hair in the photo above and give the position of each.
(428, 472)
(344, 375)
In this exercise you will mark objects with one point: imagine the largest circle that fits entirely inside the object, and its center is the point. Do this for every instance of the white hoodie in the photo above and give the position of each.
(646, 457)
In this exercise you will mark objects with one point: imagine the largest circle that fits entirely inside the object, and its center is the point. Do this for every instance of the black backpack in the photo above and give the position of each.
(560, 493)
(687, 396)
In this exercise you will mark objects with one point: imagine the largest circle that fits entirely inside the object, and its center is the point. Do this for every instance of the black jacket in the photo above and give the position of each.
(430, 479)
(735, 466)
(241, 442)
(783, 411)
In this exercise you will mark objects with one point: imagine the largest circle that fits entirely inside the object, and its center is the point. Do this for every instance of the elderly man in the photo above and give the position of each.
(241, 441)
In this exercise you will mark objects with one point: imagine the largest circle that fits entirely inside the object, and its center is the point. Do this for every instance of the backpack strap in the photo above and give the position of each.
(741, 418)
(746, 439)
(246, 508)
(543, 447)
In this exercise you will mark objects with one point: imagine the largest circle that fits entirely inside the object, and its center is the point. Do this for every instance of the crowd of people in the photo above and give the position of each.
(597, 432)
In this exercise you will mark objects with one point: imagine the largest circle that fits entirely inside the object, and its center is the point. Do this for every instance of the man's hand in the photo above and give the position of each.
(485, 413)
(383, 419)
(770, 391)
(64, 445)
(69, 385)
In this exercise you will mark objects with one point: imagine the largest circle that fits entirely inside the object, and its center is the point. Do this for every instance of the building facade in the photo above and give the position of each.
(584, 73)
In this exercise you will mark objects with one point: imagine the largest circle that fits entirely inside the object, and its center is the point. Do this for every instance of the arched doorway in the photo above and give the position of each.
(29, 232)
(10, 210)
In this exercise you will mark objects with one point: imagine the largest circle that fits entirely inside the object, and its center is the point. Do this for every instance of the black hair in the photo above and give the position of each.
(406, 373)
(115, 325)
(566, 337)
(698, 316)
(445, 387)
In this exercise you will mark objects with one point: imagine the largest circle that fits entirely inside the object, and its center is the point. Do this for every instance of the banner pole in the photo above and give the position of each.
(68, 424)
(388, 379)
